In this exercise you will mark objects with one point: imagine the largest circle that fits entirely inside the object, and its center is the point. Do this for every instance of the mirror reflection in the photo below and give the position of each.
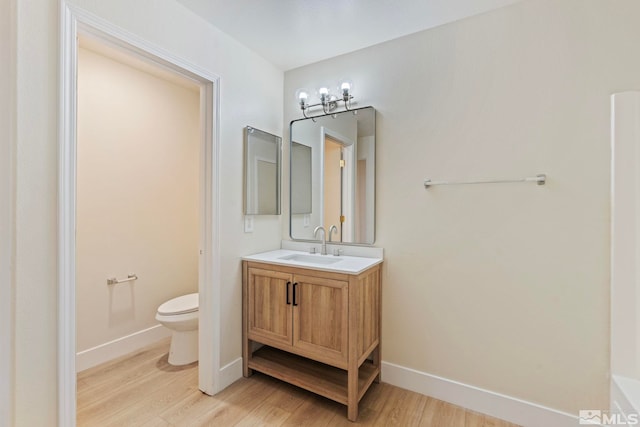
(262, 172)
(333, 176)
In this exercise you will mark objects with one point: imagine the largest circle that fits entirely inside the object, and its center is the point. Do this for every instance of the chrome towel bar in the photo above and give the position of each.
(114, 281)
(539, 179)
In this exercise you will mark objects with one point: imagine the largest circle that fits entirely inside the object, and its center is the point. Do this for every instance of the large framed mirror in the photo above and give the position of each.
(261, 172)
(333, 161)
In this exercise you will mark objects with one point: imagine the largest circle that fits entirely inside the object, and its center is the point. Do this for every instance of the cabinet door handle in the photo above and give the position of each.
(288, 300)
(295, 286)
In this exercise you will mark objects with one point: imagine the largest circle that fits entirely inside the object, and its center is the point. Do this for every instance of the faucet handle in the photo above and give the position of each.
(337, 252)
(312, 250)
(332, 229)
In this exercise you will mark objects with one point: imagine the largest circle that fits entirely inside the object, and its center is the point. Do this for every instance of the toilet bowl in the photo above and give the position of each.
(181, 316)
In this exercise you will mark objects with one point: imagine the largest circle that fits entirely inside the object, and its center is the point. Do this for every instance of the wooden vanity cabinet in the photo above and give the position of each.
(319, 330)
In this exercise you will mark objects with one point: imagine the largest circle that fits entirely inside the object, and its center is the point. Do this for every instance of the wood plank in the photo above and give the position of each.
(442, 414)
(258, 400)
(152, 403)
(237, 406)
(280, 404)
(401, 408)
(101, 402)
(156, 422)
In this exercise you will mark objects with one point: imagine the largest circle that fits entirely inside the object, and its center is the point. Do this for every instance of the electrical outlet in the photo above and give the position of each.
(248, 224)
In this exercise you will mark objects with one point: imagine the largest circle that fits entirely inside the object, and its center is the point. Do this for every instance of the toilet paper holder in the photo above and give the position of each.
(114, 281)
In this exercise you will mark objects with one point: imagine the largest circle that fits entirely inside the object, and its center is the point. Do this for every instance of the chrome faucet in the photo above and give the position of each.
(332, 229)
(323, 251)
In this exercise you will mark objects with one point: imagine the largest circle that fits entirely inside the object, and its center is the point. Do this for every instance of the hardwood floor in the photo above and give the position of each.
(142, 389)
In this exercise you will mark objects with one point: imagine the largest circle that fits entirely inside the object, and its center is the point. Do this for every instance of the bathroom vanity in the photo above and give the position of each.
(313, 321)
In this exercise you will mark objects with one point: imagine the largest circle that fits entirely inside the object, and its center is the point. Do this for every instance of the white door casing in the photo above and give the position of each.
(76, 21)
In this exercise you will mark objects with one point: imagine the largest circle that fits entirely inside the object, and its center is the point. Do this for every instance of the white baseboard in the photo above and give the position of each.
(497, 405)
(625, 395)
(230, 373)
(119, 347)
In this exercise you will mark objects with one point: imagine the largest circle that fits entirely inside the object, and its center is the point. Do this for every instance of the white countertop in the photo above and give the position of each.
(344, 264)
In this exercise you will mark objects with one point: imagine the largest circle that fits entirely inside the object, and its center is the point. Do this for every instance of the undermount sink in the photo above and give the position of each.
(311, 259)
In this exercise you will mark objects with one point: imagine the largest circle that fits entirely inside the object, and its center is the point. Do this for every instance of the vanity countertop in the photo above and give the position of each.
(338, 264)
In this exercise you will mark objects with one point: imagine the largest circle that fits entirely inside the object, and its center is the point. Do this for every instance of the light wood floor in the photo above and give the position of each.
(142, 389)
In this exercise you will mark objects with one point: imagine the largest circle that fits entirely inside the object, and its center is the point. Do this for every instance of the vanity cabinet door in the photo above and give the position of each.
(269, 306)
(320, 317)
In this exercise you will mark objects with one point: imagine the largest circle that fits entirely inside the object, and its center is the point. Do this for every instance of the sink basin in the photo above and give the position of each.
(345, 264)
(311, 259)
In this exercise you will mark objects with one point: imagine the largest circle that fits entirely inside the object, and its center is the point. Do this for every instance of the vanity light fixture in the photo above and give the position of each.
(328, 101)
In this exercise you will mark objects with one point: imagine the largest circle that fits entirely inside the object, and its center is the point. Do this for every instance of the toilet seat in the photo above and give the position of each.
(180, 305)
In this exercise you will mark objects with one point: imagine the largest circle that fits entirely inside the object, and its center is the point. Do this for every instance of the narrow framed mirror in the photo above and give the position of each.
(263, 153)
(333, 176)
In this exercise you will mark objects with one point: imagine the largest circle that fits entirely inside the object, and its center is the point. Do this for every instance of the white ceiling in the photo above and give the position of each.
(292, 33)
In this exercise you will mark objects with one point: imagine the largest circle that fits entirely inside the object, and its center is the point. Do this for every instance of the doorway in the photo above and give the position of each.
(339, 170)
(333, 185)
(76, 22)
(137, 176)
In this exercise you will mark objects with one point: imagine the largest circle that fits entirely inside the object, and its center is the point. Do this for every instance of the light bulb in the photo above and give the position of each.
(302, 95)
(323, 92)
(346, 88)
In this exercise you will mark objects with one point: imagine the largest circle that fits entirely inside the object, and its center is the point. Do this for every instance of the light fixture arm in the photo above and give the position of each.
(328, 107)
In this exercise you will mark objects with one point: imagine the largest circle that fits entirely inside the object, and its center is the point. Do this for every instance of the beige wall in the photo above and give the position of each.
(7, 205)
(137, 196)
(251, 93)
(625, 235)
(504, 287)
(36, 215)
(508, 285)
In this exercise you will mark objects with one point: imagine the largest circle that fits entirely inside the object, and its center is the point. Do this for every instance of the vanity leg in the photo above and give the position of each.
(246, 345)
(352, 393)
(376, 362)
(377, 353)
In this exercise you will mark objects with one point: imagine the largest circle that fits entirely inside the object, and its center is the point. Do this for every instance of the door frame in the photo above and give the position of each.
(348, 182)
(75, 21)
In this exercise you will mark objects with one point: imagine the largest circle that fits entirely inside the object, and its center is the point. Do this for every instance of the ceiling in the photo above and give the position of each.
(292, 33)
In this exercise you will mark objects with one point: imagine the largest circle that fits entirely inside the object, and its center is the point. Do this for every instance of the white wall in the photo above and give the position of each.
(250, 88)
(625, 263)
(306, 133)
(366, 153)
(137, 196)
(625, 236)
(503, 287)
(36, 227)
(7, 206)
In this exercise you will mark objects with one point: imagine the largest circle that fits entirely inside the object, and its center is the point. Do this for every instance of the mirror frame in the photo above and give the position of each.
(248, 187)
(374, 178)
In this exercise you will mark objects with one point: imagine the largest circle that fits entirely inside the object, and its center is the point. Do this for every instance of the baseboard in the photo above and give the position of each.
(497, 405)
(119, 347)
(625, 395)
(230, 373)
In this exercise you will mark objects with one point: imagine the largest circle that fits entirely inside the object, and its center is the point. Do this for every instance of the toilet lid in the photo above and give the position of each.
(180, 305)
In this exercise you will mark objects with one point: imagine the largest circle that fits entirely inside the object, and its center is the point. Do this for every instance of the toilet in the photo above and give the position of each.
(181, 316)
